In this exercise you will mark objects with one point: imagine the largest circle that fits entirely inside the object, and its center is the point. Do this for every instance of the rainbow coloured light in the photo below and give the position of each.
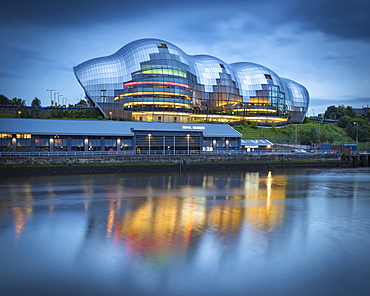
(159, 104)
(140, 93)
(128, 84)
(165, 72)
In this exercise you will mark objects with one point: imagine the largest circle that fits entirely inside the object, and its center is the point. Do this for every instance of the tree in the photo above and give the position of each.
(36, 103)
(343, 121)
(350, 112)
(368, 116)
(82, 103)
(309, 137)
(18, 102)
(333, 112)
(4, 100)
(358, 127)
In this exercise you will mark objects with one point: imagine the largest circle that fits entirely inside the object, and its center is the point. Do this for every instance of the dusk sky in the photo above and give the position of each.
(321, 44)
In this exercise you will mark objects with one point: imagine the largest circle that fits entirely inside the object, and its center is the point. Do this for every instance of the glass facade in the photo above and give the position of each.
(153, 80)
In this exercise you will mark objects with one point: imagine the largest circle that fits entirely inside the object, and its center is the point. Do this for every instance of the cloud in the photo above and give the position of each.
(331, 57)
(7, 74)
(322, 44)
(341, 18)
(28, 54)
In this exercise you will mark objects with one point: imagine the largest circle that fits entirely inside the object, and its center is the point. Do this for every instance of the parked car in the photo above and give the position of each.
(300, 151)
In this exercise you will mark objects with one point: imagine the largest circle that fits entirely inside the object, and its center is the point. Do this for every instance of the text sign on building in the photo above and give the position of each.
(193, 127)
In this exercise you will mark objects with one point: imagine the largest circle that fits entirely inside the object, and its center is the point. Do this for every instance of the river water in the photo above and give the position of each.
(291, 232)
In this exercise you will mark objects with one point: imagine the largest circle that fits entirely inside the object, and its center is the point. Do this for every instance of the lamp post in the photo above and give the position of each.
(51, 96)
(55, 101)
(227, 145)
(110, 115)
(149, 135)
(19, 113)
(356, 123)
(296, 132)
(188, 137)
(58, 98)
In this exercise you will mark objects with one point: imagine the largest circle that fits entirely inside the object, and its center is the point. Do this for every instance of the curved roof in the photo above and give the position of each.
(107, 127)
(248, 79)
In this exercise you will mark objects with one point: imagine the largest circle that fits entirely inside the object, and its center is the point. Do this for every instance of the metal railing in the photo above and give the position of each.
(153, 152)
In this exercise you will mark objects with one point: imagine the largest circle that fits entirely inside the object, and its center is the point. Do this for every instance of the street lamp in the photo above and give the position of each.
(58, 98)
(51, 96)
(296, 135)
(188, 137)
(55, 101)
(227, 145)
(149, 135)
(110, 115)
(356, 123)
(19, 113)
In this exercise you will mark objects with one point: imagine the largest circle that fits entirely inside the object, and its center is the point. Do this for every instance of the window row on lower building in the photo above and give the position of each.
(155, 142)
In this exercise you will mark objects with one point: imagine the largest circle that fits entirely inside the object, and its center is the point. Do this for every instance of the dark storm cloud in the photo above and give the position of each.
(341, 18)
(71, 12)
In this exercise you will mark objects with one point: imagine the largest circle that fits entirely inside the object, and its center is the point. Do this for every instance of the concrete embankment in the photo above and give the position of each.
(46, 165)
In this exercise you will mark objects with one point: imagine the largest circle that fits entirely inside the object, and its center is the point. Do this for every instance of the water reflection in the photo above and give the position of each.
(167, 234)
(169, 208)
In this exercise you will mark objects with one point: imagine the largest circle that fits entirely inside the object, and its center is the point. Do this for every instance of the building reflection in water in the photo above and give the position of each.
(159, 215)
(23, 211)
(163, 225)
(264, 198)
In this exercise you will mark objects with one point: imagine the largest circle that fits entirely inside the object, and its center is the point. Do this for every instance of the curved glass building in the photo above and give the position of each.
(153, 80)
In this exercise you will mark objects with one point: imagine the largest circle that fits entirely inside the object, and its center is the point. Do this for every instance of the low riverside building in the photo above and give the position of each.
(256, 145)
(47, 135)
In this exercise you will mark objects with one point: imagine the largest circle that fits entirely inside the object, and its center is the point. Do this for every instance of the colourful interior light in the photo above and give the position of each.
(165, 72)
(128, 84)
(154, 93)
(158, 104)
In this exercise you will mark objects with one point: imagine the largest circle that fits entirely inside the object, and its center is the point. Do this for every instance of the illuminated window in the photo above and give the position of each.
(23, 136)
(5, 136)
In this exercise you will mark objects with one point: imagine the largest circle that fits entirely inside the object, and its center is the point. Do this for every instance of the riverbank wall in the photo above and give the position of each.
(46, 165)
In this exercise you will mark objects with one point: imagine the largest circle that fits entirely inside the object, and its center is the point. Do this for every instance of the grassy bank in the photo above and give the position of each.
(329, 133)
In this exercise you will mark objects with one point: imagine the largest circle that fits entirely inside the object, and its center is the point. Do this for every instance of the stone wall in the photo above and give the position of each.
(17, 166)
